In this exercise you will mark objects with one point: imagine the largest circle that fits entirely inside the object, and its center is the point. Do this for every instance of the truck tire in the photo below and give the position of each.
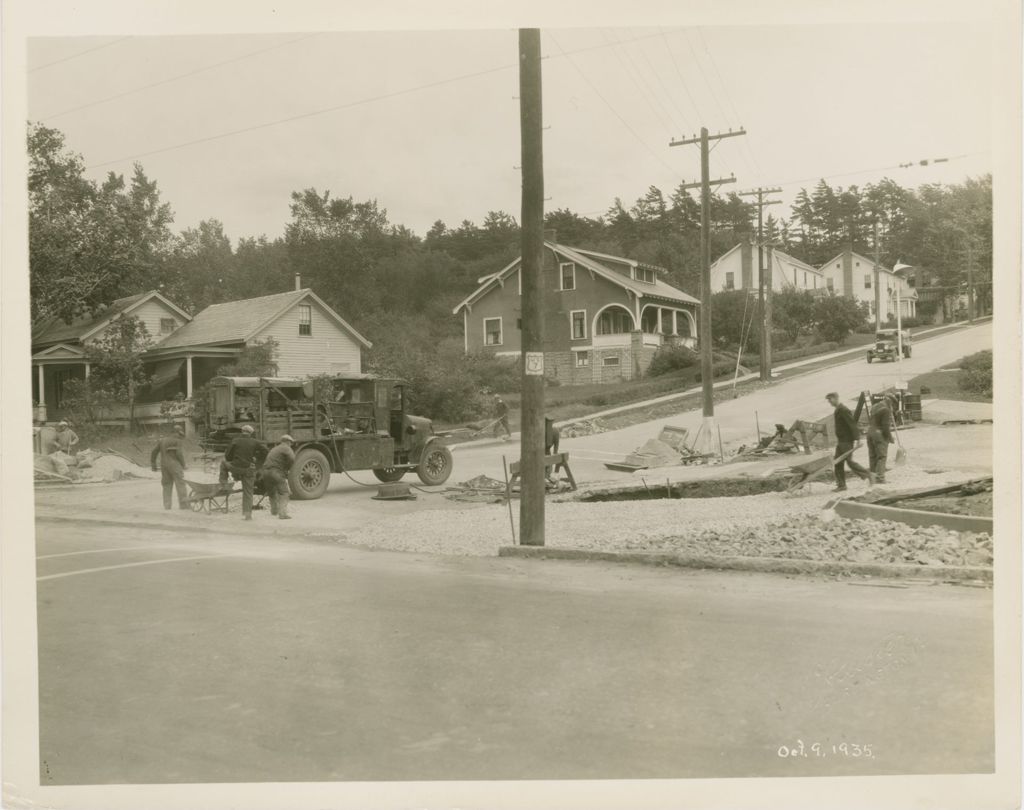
(389, 474)
(906, 352)
(309, 475)
(870, 357)
(435, 466)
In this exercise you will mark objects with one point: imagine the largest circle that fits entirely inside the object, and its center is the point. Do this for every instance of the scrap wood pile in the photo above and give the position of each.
(803, 436)
(87, 465)
(482, 489)
(583, 427)
(668, 450)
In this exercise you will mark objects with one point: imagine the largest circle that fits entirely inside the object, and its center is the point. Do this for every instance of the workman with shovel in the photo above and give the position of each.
(847, 440)
(172, 467)
(275, 476)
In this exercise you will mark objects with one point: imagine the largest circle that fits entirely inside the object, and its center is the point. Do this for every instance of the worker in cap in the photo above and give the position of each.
(552, 435)
(880, 436)
(501, 418)
(275, 476)
(847, 440)
(66, 439)
(171, 457)
(241, 459)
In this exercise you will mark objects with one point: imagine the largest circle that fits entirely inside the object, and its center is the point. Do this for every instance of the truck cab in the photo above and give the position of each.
(886, 345)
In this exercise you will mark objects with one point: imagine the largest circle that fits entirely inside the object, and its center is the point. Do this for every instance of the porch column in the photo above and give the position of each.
(188, 377)
(42, 385)
(675, 323)
(658, 310)
(87, 371)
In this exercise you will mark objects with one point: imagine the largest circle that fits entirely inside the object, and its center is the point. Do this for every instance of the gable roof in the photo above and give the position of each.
(240, 321)
(779, 255)
(659, 289)
(912, 291)
(55, 330)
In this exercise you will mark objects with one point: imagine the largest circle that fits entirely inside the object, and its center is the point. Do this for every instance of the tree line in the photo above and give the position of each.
(93, 242)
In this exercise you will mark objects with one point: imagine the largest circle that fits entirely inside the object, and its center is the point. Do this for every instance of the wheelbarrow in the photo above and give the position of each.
(814, 469)
(206, 497)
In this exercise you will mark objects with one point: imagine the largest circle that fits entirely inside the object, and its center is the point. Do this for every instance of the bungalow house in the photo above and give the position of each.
(853, 275)
(59, 349)
(736, 269)
(311, 339)
(604, 316)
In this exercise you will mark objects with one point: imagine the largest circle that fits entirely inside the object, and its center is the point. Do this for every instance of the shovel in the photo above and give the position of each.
(901, 453)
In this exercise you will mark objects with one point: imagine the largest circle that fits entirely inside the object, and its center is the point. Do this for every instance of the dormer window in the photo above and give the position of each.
(644, 274)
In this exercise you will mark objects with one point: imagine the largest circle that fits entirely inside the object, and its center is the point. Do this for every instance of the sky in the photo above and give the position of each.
(426, 122)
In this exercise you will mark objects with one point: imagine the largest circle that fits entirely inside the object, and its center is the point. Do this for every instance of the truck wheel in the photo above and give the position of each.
(870, 357)
(309, 475)
(436, 465)
(906, 352)
(389, 474)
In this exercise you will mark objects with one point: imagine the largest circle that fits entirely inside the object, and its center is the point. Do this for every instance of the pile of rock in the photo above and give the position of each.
(584, 427)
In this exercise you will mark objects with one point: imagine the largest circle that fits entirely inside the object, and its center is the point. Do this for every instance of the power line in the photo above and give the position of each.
(615, 112)
(76, 55)
(679, 73)
(642, 90)
(667, 91)
(348, 105)
(177, 78)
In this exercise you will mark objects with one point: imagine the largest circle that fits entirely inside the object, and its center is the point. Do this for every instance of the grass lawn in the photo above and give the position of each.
(945, 384)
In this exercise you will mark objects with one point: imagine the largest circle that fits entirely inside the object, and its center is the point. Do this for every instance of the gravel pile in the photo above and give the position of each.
(767, 525)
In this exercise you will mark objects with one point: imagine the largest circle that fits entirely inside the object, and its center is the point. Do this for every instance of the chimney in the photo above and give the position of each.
(298, 281)
(550, 235)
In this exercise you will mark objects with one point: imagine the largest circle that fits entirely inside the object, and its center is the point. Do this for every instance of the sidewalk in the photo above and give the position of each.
(696, 392)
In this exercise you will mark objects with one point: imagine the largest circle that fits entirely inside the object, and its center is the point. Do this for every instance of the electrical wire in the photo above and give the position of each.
(77, 55)
(347, 105)
(679, 73)
(668, 93)
(642, 88)
(177, 78)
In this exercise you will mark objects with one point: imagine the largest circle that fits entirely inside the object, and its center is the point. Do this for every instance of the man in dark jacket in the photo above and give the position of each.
(552, 436)
(879, 437)
(275, 476)
(501, 414)
(241, 459)
(172, 467)
(847, 440)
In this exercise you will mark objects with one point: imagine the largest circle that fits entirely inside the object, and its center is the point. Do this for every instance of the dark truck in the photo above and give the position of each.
(885, 347)
(339, 423)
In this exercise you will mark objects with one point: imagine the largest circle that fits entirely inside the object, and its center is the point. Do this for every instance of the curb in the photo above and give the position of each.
(913, 517)
(766, 565)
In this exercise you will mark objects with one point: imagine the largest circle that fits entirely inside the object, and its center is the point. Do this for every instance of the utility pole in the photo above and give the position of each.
(875, 273)
(970, 280)
(708, 432)
(763, 298)
(531, 502)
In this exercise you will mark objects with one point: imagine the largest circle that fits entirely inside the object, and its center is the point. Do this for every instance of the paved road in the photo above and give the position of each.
(166, 657)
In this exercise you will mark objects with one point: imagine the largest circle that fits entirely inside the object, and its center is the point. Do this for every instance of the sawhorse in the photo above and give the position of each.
(556, 459)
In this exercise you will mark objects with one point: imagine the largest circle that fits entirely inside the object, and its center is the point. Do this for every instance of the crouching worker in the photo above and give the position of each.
(275, 476)
(172, 467)
(240, 460)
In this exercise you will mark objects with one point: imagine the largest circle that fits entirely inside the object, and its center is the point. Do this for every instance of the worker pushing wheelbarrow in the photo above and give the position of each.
(813, 469)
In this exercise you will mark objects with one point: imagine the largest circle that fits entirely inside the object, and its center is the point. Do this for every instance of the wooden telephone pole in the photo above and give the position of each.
(875, 278)
(764, 297)
(708, 426)
(531, 502)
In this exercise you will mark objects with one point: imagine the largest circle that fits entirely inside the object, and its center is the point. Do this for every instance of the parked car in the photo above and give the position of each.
(886, 345)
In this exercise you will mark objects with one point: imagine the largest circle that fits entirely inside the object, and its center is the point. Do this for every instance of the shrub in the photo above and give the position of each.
(719, 369)
(906, 323)
(671, 357)
(835, 316)
(976, 373)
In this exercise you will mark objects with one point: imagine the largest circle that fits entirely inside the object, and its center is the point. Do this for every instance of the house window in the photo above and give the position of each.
(568, 274)
(582, 359)
(519, 324)
(166, 326)
(305, 319)
(643, 274)
(829, 283)
(730, 281)
(492, 331)
(579, 324)
(867, 281)
(805, 279)
(814, 282)
(611, 361)
(794, 276)
(614, 321)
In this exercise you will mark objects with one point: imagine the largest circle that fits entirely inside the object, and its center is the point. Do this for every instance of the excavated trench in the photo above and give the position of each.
(717, 488)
